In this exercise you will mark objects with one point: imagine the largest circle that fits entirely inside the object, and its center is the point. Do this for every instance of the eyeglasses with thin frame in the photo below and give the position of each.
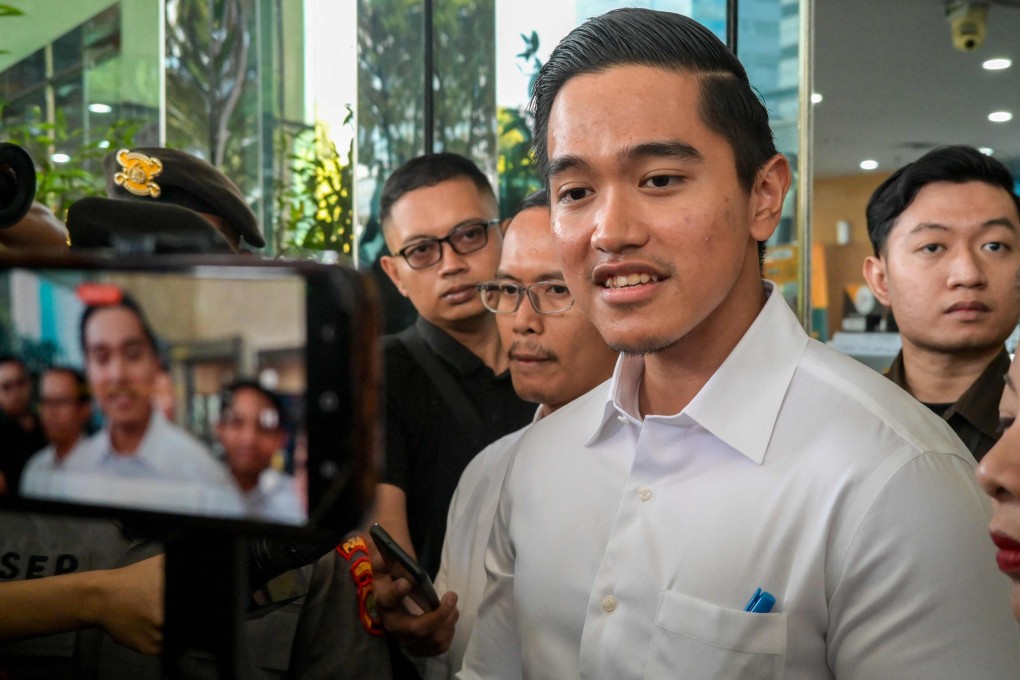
(467, 238)
(546, 297)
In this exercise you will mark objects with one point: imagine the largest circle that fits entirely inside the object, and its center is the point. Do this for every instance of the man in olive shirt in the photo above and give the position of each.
(947, 249)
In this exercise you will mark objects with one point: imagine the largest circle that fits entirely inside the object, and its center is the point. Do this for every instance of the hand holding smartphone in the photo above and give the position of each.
(402, 565)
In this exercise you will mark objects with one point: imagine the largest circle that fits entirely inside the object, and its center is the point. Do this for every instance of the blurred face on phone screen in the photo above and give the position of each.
(121, 365)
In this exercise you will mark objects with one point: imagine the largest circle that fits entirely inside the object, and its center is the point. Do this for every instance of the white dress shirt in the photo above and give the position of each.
(628, 547)
(275, 499)
(171, 471)
(36, 478)
(468, 525)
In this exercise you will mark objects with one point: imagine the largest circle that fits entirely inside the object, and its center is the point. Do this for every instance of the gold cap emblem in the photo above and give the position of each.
(137, 173)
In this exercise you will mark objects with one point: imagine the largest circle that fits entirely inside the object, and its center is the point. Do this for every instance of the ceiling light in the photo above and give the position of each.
(869, 165)
(816, 97)
(997, 64)
(60, 158)
(100, 108)
(986, 150)
(1000, 116)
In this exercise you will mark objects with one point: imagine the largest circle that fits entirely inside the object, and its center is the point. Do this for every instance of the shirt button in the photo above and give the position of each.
(644, 493)
(622, 419)
(608, 603)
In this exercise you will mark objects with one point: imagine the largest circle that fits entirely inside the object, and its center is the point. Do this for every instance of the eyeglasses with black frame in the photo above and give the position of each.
(464, 239)
(546, 297)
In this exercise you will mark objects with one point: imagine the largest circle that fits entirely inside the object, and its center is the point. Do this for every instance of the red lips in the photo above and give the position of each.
(1008, 556)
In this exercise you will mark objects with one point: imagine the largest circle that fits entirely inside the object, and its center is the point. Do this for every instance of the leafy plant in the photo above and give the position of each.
(516, 165)
(58, 185)
(9, 11)
(314, 195)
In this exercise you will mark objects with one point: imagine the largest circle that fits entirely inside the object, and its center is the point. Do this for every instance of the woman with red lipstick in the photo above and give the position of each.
(999, 474)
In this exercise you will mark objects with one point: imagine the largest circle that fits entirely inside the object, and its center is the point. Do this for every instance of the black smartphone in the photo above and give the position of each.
(402, 565)
(306, 332)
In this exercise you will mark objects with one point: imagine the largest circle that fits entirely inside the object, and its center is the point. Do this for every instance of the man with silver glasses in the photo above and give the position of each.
(448, 392)
(555, 355)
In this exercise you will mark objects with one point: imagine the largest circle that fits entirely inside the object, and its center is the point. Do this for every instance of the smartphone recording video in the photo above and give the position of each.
(214, 389)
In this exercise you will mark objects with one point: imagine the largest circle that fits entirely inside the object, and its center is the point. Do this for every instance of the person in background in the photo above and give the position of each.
(138, 457)
(20, 430)
(164, 394)
(39, 228)
(65, 408)
(555, 355)
(448, 393)
(126, 602)
(162, 176)
(251, 431)
(946, 234)
(999, 474)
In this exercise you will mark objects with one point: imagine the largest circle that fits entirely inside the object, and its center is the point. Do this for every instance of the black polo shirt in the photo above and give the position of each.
(427, 445)
(975, 415)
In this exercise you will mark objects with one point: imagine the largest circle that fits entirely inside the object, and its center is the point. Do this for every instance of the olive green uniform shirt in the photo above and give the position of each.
(975, 415)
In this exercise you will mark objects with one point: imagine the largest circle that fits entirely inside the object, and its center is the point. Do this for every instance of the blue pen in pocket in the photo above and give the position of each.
(761, 602)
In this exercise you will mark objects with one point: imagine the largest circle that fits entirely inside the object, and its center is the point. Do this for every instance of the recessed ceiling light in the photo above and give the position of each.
(816, 97)
(60, 158)
(997, 64)
(869, 165)
(100, 108)
(1000, 116)
(986, 150)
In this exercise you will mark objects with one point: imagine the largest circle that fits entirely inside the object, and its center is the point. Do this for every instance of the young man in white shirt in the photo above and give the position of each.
(64, 412)
(730, 454)
(251, 431)
(138, 458)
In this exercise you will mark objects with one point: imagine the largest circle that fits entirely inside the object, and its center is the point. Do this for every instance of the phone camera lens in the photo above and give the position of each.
(328, 401)
(329, 469)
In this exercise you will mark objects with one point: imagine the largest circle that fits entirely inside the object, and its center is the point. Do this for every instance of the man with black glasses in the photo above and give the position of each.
(448, 391)
(556, 355)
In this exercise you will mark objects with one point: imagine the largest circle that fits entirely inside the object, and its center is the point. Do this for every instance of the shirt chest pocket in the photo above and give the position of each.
(702, 641)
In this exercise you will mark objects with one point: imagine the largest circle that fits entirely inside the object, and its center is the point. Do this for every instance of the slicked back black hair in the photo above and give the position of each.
(126, 302)
(643, 37)
(956, 164)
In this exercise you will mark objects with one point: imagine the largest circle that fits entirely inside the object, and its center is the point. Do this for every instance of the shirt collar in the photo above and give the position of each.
(979, 405)
(751, 383)
(896, 372)
(449, 350)
(155, 431)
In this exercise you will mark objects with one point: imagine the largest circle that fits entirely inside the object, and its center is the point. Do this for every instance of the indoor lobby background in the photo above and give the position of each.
(309, 105)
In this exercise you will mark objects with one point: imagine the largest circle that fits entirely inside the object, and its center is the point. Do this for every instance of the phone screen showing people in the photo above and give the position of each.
(196, 384)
